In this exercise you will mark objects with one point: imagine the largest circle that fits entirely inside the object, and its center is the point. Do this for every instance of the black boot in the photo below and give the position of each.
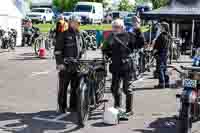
(117, 101)
(129, 104)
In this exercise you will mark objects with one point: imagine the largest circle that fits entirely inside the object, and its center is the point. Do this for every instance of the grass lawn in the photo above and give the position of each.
(47, 27)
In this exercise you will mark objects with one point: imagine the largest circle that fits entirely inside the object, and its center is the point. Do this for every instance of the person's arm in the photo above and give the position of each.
(132, 40)
(141, 39)
(59, 48)
(158, 42)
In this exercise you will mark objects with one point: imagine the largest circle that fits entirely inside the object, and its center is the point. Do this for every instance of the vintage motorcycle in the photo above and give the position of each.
(9, 39)
(189, 111)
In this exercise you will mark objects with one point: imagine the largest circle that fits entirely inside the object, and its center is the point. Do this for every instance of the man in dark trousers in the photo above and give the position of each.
(140, 40)
(68, 45)
(162, 46)
(119, 47)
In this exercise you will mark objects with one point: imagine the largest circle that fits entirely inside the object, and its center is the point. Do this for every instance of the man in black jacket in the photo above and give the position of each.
(140, 40)
(162, 46)
(68, 45)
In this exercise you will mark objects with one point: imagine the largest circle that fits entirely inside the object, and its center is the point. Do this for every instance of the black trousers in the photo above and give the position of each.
(28, 41)
(64, 79)
(116, 90)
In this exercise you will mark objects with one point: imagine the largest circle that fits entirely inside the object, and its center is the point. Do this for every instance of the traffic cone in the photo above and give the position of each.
(42, 50)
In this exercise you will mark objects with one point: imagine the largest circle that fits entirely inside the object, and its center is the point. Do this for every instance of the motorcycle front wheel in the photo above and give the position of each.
(185, 121)
(83, 103)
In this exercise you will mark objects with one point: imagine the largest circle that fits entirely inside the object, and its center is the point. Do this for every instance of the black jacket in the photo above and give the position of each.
(68, 44)
(120, 47)
(163, 42)
(140, 39)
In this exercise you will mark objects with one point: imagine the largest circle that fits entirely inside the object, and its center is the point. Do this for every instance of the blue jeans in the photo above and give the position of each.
(162, 62)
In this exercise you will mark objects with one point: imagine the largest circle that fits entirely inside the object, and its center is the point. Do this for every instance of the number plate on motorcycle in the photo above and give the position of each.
(190, 83)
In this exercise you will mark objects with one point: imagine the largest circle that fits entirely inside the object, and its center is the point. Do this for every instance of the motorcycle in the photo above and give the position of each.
(175, 51)
(2, 32)
(29, 39)
(90, 39)
(9, 39)
(189, 111)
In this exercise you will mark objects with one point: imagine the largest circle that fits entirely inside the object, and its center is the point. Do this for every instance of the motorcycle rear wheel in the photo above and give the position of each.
(185, 121)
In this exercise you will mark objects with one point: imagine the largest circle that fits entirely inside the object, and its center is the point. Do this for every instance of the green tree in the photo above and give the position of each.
(159, 3)
(64, 5)
(124, 5)
(101, 1)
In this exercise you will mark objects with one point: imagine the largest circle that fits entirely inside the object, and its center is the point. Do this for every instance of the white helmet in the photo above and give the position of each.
(111, 116)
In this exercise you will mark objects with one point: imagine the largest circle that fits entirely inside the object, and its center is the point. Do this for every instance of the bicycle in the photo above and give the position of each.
(92, 79)
(38, 43)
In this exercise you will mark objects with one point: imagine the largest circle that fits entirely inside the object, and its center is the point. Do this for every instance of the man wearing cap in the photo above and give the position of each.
(68, 45)
(162, 46)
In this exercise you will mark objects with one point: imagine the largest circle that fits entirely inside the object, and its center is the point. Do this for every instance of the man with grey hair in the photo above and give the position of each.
(68, 45)
(119, 47)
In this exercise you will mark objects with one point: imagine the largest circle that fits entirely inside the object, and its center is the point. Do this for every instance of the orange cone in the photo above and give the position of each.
(42, 50)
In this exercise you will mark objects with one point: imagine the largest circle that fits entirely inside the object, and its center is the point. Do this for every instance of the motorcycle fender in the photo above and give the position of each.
(189, 96)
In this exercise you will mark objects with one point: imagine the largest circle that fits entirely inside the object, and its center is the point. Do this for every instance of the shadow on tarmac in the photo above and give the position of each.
(23, 123)
(161, 125)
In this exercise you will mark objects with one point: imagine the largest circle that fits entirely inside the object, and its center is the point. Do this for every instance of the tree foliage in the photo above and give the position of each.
(124, 5)
(64, 5)
(159, 3)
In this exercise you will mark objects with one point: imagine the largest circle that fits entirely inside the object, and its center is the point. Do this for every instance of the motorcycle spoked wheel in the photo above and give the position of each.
(37, 46)
(185, 119)
(83, 102)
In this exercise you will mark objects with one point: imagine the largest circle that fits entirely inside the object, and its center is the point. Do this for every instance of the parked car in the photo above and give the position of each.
(41, 15)
(67, 15)
(90, 12)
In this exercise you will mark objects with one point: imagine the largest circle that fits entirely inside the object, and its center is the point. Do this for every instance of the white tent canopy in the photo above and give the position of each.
(10, 17)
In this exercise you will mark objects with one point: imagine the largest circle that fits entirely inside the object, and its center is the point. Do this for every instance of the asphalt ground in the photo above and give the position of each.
(28, 95)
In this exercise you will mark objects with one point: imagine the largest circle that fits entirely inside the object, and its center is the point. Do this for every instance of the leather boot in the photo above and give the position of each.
(129, 104)
(117, 102)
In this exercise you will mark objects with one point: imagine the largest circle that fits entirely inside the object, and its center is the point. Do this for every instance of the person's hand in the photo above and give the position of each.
(60, 67)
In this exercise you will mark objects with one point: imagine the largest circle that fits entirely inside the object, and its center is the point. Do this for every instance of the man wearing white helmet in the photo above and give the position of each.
(68, 45)
(119, 47)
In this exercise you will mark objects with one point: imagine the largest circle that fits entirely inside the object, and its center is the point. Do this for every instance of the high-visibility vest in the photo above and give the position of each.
(63, 26)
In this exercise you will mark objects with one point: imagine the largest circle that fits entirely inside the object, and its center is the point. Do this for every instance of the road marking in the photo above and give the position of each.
(61, 116)
(4, 125)
(39, 73)
(51, 120)
(56, 120)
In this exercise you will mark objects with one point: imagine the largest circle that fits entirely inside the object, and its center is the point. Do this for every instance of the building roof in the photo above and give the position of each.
(177, 9)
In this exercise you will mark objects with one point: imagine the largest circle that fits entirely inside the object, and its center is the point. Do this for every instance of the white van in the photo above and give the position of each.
(90, 12)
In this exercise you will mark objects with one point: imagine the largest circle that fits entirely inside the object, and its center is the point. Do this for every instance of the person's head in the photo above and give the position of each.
(61, 17)
(136, 22)
(118, 25)
(74, 22)
(165, 27)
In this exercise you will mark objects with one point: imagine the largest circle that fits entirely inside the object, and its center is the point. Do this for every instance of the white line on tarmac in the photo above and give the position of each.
(33, 74)
(51, 120)
(61, 116)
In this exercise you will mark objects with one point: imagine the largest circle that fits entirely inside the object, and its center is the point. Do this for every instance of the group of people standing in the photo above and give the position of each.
(118, 47)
